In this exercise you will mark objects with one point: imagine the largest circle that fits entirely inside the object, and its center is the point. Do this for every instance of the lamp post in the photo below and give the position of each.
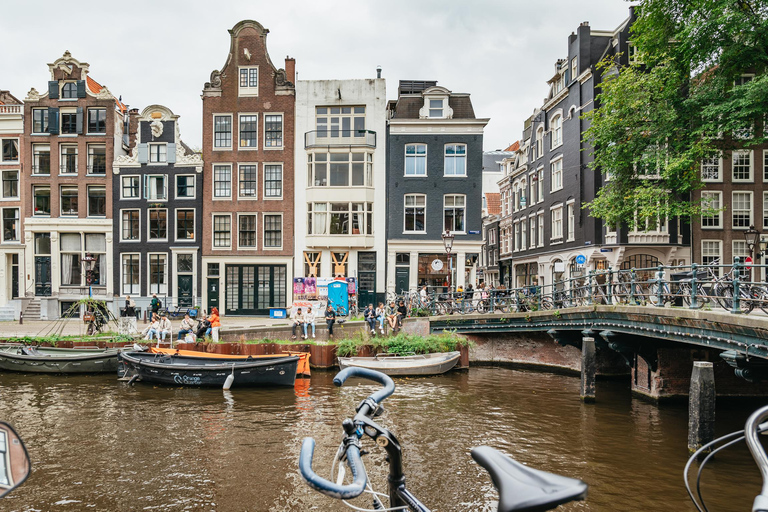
(448, 243)
(755, 239)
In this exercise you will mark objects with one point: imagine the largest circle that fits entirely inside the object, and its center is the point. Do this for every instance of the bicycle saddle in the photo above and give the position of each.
(524, 489)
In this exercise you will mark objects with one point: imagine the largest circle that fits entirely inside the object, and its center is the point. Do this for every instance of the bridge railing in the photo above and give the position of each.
(736, 288)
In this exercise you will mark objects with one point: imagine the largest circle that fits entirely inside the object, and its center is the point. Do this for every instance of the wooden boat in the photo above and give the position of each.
(301, 369)
(209, 371)
(419, 364)
(21, 358)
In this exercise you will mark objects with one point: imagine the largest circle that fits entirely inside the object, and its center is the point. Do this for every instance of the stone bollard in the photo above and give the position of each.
(588, 368)
(701, 406)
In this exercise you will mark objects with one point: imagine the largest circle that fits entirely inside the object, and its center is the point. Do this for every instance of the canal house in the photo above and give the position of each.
(248, 186)
(73, 131)
(434, 185)
(157, 212)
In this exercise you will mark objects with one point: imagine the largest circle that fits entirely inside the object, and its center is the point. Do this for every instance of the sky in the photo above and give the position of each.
(162, 51)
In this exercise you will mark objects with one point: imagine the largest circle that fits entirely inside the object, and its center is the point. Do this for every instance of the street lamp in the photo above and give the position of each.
(448, 243)
(753, 239)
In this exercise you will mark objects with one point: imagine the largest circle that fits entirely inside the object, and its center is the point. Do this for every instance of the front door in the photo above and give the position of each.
(366, 279)
(213, 293)
(184, 290)
(43, 276)
(254, 289)
(14, 276)
(402, 279)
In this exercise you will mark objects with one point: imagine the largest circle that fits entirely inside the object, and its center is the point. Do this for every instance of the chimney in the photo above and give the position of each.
(378, 71)
(290, 69)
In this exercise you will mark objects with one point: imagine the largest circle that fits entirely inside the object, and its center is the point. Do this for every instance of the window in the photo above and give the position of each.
(454, 213)
(415, 159)
(455, 160)
(247, 231)
(222, 181)
(574, 68)
(69, 122)
(540, 184)
(249, 131)
(532, 231)
(556, 170)
(158, 153)
(415, 213)
(713, 201)
(317, 218)
(10, 150)
(273, 181)
(273, 231)
(158, 282)
(97, 120)
(69, 200)
(533, 186)
(516, 240)
(41, 154)
(344, 218)
(345, 122)
(68, 160)
(739, 250)
(540, 216)
(742, 209)
(10, 184)
(40, 120)
(634, 55)
(154, 188)
(765, 210)
(11, 224)
(571, 222)
(130, 274)
(523, 235)
(710, 168)
(42, 197)
(69, 90)
(742, 165)
(185, 187)
(339, 175)
(222, 231)
(538, 149)
(436, 108)
(222, 131)
(248, 182)
(158, 223)
(185, 225)
(557, 131)
(83, 263)
(557, 222)
(765, 155)
(273, 130)
(249, 81)
(130, 225)
(213, 269)
(130, 187)
(97, 159)
(711, 252)
(312, 264)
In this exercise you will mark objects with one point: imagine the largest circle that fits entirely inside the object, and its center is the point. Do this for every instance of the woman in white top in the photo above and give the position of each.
(309, 319)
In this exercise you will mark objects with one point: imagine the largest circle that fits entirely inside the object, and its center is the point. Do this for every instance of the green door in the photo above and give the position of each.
(184, 290)
(402, 278)
(43, 276)
(213, 293)
(366, 279)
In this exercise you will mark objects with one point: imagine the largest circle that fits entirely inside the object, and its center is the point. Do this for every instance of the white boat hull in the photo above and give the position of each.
(427, 364)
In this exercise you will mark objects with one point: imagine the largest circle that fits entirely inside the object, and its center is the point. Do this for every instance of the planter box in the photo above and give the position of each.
(322, 356)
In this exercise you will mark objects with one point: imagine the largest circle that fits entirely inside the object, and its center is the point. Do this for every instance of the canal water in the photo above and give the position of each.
(99, 444)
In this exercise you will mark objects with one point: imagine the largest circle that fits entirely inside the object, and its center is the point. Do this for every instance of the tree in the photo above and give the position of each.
(682, 99)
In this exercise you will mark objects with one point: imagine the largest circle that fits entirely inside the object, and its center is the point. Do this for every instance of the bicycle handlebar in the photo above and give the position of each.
(384, 380)
(751, 429)
(341, 492)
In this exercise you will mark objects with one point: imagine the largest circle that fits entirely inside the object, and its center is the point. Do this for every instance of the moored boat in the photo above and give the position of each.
(21, 358)
(301, 369)
(419, 364)
(208, 371)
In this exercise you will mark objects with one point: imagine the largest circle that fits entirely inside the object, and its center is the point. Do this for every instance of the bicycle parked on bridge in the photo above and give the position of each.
(520, 487)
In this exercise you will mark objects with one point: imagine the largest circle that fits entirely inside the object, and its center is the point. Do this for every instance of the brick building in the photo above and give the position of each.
(248, 187)
(72, 133)
(12, 241)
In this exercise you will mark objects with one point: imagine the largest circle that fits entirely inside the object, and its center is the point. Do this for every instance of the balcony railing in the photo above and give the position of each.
(331, 138)
(10, 109)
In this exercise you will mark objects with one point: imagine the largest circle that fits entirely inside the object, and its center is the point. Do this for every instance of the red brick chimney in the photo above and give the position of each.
(290, 69)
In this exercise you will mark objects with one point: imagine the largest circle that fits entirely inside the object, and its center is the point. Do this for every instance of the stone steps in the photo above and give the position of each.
(32, 311)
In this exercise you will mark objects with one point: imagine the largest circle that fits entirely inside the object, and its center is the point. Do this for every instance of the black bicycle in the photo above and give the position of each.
(520, 488)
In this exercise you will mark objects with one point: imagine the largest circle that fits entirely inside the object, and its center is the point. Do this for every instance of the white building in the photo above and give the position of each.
(340, 182)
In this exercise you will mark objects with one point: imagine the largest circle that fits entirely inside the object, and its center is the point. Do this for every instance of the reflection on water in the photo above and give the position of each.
(102, 445)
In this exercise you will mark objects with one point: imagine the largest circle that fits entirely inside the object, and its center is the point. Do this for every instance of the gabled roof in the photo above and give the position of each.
(493, 202)
(514, 146)
(95, 87)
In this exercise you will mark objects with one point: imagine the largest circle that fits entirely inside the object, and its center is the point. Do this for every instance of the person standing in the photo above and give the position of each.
(330, 319)
(424, 296)
(130, 307)
(370, 316)
(155, 304)
(215, 321)
(186, 327)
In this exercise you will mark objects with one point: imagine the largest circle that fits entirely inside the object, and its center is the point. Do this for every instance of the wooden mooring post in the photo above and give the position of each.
(588, 369)
(701, 405)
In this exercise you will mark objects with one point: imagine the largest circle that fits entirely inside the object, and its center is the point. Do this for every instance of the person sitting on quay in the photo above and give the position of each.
(330, 319)
(370, 316)
(153, 329)
(204, 325)
(402, 312)
(309, 319)
(381, 315)
(186, 327)
(165, 329)
(215, 321)
(392, 316)
(298, 320)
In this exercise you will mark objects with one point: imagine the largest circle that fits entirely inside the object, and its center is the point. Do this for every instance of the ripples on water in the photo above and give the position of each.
(97, 444)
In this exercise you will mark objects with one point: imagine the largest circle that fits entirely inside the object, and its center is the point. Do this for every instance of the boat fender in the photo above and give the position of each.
(230, 379)
(133, 379)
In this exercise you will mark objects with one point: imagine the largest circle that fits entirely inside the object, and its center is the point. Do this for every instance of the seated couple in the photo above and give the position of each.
(302, 319)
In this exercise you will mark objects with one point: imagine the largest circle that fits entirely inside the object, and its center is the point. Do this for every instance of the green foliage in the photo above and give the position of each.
(402, 343)
(417, 311)
(656, 119)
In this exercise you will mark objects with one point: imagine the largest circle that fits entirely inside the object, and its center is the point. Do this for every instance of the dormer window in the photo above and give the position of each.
(158, 153)
(69, 90)
(249, 81)
(436, 108)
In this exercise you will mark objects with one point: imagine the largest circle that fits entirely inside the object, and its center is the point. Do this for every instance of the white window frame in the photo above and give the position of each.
(240, 147)
(264, 245)
(255, 245)
(415, 156)
(443, 108)
(62, 147)
(553, 233)
(149, 226)
(765, 210)
(540, 217)
(3, 197)
(552, 182)
(515, 236)
(264, 181)
(719, 244)
(556, 137)
(176, 225)
(149, 274)
(264, 131)
(532, 231)
(159, 154)
(18, 240)
(464, 223)
(91, 149)
(122, 211)
(454, 157)
(39, 149)
(255, 195)
(88, 189)
(61, 201)
(751, 165)
(570, 220)
(524, 234)
(751, 209)
(214, 197)
(538, 146)
(214, 247)
(123, 290)
(574, 68)
(233, 134)
(719, 215)
(540, 184)
(743, 253)
(176, 187)
(248, 90)
(532, 189)
(719, 178)
(137, 177)
(148, 189)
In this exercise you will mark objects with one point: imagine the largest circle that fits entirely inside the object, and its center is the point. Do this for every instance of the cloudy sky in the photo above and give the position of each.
(163, 51)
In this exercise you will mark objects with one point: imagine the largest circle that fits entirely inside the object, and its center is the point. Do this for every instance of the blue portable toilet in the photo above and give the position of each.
(337, 295)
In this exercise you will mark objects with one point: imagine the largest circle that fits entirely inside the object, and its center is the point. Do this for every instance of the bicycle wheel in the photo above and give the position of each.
(546, 303)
